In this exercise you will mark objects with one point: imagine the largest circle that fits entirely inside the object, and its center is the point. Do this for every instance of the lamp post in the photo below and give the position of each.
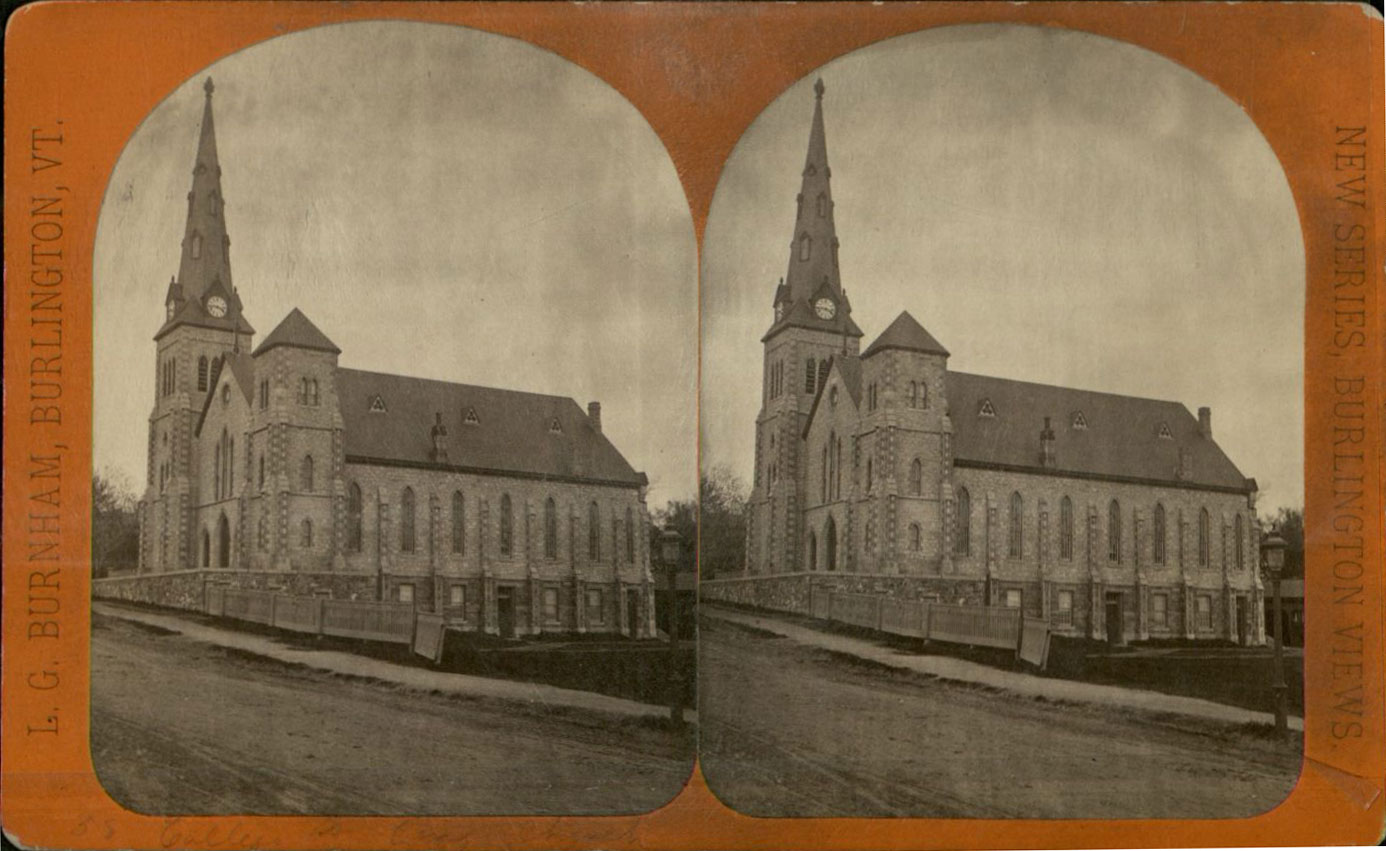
(1273, 554)
(669, 545)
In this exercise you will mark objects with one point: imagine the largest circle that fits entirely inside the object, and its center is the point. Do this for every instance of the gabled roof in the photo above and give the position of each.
(242, 371)
(906, 333)
(299, 332)
(1121, 439)
(849, 368)
(513, 434)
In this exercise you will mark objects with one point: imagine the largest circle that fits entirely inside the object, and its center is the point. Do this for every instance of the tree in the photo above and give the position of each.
(1290, 523)
(713, 530)
(115, 529)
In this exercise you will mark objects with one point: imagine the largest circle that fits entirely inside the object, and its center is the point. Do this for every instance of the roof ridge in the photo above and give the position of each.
(1073, 389)
(460, 384)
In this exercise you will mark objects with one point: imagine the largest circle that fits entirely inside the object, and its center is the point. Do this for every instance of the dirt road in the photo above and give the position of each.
(789, 730)
(182, 727)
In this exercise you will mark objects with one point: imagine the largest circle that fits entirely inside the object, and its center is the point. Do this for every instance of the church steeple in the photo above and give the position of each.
(205, 294)
(811, 293)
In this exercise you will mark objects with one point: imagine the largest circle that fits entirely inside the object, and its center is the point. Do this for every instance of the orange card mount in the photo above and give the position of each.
(517, 198)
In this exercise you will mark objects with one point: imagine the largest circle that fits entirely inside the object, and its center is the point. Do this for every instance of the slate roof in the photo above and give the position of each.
(513, 434)
(906, 333)
(1121, 439)
(298, 331)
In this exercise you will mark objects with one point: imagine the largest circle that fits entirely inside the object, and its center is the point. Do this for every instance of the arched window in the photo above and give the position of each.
(216, 472)
(823, 477)
(1240, 531)
(1203, 537)
(1159, 531)
(262, 533)
(196, 246)
(830, 543)
(962, 538)
(837, 469)
(868, 475)
(354, 518)
(1066, 528)
(206, 548)
(810, 375)
(262, 471)
(223, 542)
(305, 535)
(550, 529)
(1114, 531)
(630, 537)
(916, 477)
(813, 550)
(923, 394)
(459, 523)
(312, 391)
(914, 394)
(1016, 530)
(822, 373)
(202, 374)
(915, 543)
(507, 525)
(870, 535)
(594, 533)
(305, 474)
(406, 521)
(805, 247)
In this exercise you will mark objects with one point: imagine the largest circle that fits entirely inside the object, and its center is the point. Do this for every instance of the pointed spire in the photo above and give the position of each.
(813, 274)
(205, 244)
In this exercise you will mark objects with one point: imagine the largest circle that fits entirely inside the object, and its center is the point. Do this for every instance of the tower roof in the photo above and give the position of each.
(298, 331)
(906, 333)
(813, 262)
(204, 269)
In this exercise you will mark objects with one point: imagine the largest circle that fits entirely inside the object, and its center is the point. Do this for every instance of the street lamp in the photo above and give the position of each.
(1273, 555)
(670, 542)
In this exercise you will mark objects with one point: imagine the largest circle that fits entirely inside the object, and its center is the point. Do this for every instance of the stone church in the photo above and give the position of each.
(1114, 517)
(272, 466)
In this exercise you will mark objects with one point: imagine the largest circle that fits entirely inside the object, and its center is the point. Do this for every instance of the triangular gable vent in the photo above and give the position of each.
(1080, 422)
(471, 418)
(986, 409)
(377, 405)
(1164, 433)
(555, 426)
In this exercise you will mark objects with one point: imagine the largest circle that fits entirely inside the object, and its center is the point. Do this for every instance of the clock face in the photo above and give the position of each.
(216, 305)
(825, 308)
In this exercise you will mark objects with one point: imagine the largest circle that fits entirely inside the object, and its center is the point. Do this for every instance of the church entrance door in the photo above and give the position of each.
(1243, 622)
(223, 542)
(632, 613)
(830, 536)
(505, 611)
(1113, 615)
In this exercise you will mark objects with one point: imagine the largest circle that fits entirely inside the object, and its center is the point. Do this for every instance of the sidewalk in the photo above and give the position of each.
(425, 679)
(1022, 684)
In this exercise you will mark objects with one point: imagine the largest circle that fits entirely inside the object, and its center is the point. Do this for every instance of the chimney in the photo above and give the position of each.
(1205, 422)
(1047, 445)
(594, 414)
(439, 433)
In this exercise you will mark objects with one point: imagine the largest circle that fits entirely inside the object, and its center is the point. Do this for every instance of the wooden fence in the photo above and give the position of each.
(979, 626)
(389, 622)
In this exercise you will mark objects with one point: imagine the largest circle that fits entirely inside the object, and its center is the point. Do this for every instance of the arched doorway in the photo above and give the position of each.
(223, 542)
(206, 548)
(830, 535)
(813, 551)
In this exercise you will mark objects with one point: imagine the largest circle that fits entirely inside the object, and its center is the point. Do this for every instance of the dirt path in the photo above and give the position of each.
(795, 730)
(184, 727)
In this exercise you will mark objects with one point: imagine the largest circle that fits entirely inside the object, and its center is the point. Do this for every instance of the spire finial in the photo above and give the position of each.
(208, 87)
(818, 87)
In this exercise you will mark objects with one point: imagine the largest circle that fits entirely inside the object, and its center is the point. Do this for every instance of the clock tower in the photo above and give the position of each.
(203, 322)
(812, 324)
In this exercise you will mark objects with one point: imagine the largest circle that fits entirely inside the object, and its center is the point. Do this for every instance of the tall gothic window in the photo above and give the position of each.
(822, 373)
(1203, 537)
(354, 518)
(1240, 532)
(1159, 530)
(305, 474)
(916, 478)
(1066, 528)
(868, 475)
(962, 538)
(305, 535)
(550, 529)
(915, 542)
(406, 520)
(823, 477)
(507, 526)
(459, 522)
(1114, 531)
(805, 247)
(1016, 530)
(594, 532)
(810, 375)
(630, 537)
(202, 374)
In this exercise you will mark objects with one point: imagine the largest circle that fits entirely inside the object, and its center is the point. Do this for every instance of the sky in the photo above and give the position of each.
(1053, 206)
(442, 203)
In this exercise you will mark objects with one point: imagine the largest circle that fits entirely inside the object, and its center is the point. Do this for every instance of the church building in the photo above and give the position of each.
(1110, 516)
(272, 466)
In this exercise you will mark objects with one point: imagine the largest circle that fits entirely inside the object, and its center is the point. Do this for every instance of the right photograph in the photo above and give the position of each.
(1002, 441)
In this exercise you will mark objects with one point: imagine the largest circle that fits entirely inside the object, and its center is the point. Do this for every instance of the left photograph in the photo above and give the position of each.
(394, 514)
